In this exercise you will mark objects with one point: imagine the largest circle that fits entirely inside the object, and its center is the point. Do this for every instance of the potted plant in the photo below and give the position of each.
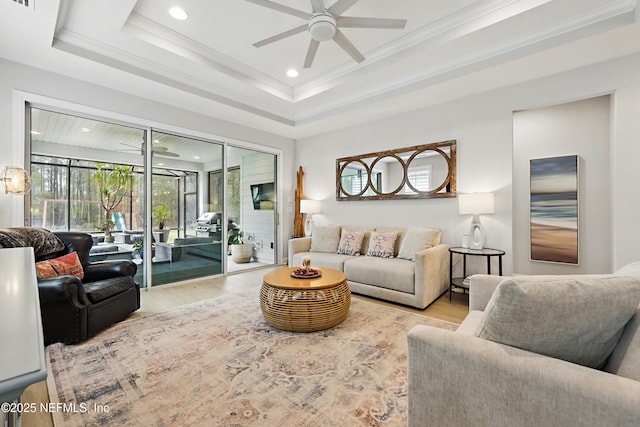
(240, 252)
(138, 247)
(113, 185)
(161, 214)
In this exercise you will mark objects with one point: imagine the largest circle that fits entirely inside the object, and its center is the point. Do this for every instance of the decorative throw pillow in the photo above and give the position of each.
(382, 244)
(65, 265)
(325, 239)
(350, 242)
(574, 318)
(42, 240)
(44, 269)
(415, 240)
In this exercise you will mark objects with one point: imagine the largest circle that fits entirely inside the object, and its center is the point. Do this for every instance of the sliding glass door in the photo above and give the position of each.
(175, 207)
(188, 235)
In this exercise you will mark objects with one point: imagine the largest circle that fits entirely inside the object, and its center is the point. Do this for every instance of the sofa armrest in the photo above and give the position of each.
(298, 244)
(432, 273)
(62, 288)
(481, 287)
(100, 270)
(455, 379)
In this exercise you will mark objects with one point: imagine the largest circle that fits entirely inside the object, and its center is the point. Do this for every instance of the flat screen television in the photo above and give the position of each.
(263, 196)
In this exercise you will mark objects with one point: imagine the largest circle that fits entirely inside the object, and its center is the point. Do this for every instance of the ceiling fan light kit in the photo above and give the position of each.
(324, 24)
(322, 27)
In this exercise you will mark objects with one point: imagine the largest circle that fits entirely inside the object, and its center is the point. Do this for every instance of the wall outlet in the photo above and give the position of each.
(259, 245)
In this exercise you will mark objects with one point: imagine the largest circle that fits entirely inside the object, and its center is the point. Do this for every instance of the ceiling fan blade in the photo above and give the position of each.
(281, 36)
(165, 153)
(318, 6)
(345, 44)
(311, 53)
(354, 22)
(282, 8)
(341, 6)
(129, 145)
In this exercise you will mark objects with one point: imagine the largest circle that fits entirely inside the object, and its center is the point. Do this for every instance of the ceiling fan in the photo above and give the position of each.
(324, 24)
(155, 149)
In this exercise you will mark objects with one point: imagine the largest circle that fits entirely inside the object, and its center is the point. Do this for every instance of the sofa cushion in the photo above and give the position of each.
(632, 269)
(322, 259)
(44, 269)
(400, 232)
(65, 265)
(625, 359)
(470, 324)
(325, 238)
(350, 242)
(101, 249)
(103, 289)
(68, 265)
(415, 240)
(41, 240)
(392, 273)
(382, 245)
(185, 241)
(575, 318)
(367, 234)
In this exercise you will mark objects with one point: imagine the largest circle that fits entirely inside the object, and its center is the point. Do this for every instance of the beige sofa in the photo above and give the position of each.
(415, 280)
(463, 378)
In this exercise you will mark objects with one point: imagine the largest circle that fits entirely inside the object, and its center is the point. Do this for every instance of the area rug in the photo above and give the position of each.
(218, 362)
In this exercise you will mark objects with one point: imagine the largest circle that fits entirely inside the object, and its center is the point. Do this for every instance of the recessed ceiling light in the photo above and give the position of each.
(85, 130)
(196, 157)
(292, 72)
(159, 164)
(178, 13)
(35, 132)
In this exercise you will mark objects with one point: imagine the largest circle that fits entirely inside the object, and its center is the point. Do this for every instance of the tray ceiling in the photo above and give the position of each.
(208, 63)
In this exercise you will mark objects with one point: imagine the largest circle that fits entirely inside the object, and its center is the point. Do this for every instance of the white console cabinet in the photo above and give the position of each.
(22, 358)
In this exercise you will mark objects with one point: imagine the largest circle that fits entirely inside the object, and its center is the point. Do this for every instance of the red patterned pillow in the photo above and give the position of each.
(44, 270)
(68, 264)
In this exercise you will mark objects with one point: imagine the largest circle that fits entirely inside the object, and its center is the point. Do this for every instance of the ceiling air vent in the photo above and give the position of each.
(25, 3)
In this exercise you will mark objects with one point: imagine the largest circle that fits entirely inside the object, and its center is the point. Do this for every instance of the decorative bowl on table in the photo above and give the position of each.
(309, 273)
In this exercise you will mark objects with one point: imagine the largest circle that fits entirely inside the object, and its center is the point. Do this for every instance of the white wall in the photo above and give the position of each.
(483, 128)
(579, 128)
(16, 80)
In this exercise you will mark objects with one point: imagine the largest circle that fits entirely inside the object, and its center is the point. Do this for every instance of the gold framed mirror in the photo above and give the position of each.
(420, 172)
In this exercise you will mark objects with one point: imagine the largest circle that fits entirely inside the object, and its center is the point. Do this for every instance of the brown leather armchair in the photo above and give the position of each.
(72, 309)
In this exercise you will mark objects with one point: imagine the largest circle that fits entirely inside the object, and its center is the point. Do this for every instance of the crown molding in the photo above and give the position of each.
(623, 10)
(448, 28)
(167, 39)
(84, 47)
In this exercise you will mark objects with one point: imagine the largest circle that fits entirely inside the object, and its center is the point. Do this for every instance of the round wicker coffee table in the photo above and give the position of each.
(304, 305)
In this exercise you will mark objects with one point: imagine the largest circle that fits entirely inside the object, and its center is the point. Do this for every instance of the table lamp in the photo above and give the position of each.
(476, 204)
(309, 207)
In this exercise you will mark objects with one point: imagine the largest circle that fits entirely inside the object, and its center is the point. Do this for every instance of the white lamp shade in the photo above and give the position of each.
(476, 203)
(308, 206)
(15, 180)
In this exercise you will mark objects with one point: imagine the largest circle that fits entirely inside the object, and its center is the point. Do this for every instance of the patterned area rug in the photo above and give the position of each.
(218, 362)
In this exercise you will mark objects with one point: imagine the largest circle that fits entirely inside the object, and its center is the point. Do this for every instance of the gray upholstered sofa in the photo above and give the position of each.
(533, 351)
(416, 275)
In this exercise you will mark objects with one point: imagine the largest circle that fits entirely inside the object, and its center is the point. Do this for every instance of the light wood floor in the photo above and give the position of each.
(163, 298)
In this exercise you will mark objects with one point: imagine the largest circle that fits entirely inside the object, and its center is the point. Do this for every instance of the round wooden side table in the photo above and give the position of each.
(304, 305)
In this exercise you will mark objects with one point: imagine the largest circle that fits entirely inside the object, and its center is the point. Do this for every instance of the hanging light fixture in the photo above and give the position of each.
(15, 180)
